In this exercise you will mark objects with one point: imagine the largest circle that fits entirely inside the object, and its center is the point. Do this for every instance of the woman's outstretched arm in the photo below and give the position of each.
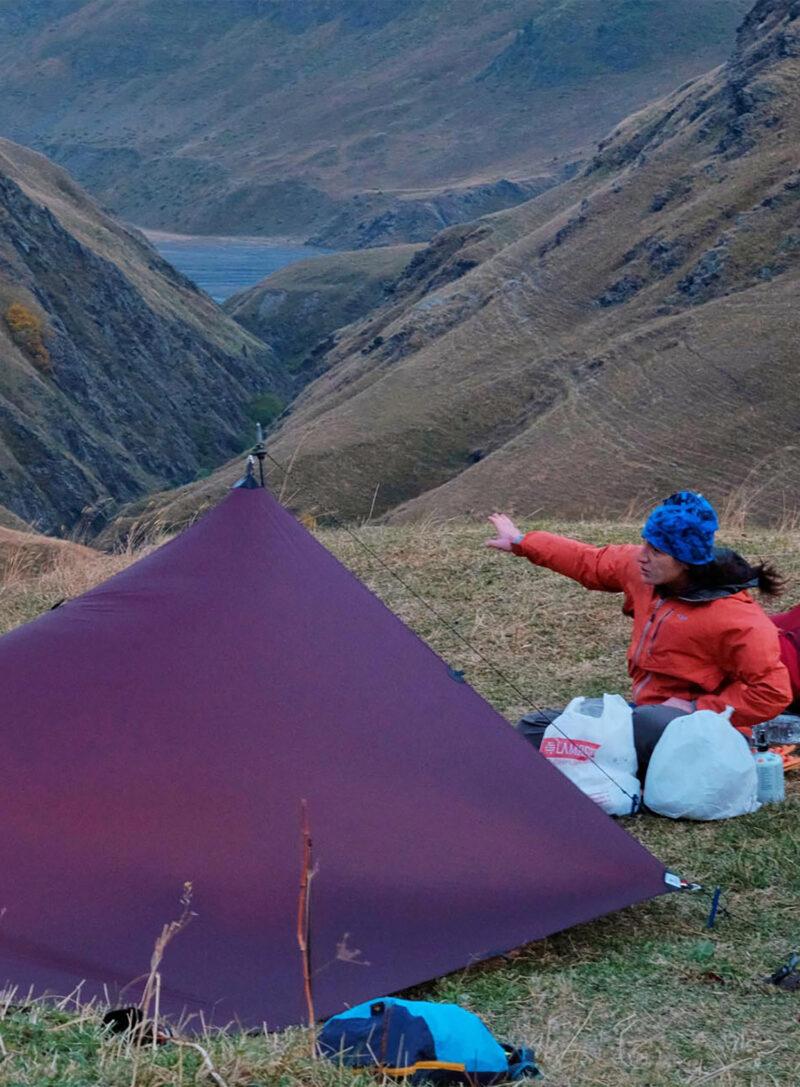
(610, 569)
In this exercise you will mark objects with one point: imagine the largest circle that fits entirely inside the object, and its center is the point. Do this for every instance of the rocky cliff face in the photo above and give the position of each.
(628, 333)
(116, 375)
(271, 116)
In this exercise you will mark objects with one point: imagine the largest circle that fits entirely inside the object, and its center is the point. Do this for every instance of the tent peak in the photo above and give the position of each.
(259, 451)
(248, 480)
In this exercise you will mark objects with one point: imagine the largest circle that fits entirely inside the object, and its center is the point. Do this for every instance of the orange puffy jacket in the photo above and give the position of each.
(715, 653)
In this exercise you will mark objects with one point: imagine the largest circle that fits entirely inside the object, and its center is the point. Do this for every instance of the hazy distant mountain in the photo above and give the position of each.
(337, 118)
(117, 376)
(633, 331)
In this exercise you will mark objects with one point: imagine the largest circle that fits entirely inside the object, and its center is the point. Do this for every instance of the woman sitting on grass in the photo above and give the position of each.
(699, 641)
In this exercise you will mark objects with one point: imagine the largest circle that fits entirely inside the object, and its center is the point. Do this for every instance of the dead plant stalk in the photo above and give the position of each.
(303, 922)
(206, 1059)
(152, 989)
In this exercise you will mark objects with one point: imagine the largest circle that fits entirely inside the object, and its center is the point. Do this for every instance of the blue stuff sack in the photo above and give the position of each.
(422, 1041)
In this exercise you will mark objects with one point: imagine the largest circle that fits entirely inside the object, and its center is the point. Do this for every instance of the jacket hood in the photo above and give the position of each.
(727, 564)
(700, 595)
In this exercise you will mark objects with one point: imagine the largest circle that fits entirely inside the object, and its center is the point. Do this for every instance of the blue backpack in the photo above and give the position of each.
(421, 1041)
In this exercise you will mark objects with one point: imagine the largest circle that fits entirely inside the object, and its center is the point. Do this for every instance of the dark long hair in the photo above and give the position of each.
(728, 569)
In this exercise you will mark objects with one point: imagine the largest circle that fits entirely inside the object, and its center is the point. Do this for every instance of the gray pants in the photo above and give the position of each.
(648, 724)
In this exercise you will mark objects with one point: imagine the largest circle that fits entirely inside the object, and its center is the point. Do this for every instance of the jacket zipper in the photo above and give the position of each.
(643, 683)
(658, 628)
(647, 626)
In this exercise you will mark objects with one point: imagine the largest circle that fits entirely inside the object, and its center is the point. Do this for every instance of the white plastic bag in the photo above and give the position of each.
(701, 768)
(583, 746)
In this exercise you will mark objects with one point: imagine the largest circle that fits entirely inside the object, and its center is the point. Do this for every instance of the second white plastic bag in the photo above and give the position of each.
(597, 753)
(701, 768)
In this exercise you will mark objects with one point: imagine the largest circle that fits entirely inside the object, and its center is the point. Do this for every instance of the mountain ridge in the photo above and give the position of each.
(316, 118)
(593, 347)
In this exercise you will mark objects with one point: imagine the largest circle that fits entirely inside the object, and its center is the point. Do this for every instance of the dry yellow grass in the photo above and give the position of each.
(26, 555)
(37, 572)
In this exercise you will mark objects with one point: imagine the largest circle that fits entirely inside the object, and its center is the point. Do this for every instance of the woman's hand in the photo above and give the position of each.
(506, 532)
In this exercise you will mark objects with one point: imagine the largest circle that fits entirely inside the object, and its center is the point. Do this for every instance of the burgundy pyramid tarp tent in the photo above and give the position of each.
(168, 725)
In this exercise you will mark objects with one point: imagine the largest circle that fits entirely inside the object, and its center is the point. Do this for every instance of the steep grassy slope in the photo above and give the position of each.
(295, 309)
(632, 331)
(674, 360)
(324, 116)
(116, 374)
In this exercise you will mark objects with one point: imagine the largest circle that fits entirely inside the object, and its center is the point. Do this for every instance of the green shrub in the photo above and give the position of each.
(263, 409)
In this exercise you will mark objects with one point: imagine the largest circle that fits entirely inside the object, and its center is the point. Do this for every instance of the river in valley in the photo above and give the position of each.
(223, 266)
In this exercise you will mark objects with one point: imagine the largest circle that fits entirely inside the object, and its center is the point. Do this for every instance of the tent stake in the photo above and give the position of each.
(712, 917)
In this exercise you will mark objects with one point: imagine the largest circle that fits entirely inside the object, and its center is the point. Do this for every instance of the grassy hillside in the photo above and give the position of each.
(117, 376)
(24, 555)
(277, 117)
(298, 307)
(630, 332)
(649, 996)
(10, 520)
